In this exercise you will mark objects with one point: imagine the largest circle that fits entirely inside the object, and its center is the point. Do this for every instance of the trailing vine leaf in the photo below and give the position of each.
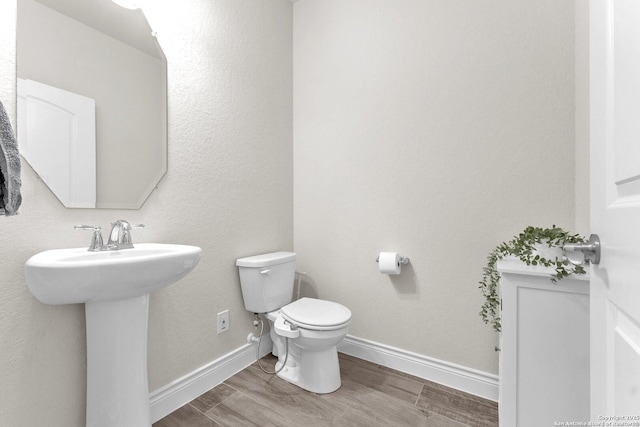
(523, 247)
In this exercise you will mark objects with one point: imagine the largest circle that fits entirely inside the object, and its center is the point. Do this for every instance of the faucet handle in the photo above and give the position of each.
(127, 242)
(96, 239)
(86, 227)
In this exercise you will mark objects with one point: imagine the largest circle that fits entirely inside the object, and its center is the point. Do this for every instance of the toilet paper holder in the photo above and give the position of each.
(403, 260)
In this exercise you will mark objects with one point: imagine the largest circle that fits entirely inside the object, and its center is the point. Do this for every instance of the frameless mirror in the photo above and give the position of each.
(92, 101)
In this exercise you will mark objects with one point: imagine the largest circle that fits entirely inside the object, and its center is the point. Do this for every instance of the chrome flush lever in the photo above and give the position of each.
(581, 253)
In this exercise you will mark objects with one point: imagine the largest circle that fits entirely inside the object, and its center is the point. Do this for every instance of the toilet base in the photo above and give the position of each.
(312, 363)
(314, 371)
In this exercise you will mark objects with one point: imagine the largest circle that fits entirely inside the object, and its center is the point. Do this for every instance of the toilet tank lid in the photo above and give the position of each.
(266, 260)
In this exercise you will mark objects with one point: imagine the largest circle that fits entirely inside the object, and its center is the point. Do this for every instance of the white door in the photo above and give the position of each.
(615, 210)
(57, 137)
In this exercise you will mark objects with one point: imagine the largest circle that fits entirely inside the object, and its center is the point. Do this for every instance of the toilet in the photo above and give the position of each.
(311, 327)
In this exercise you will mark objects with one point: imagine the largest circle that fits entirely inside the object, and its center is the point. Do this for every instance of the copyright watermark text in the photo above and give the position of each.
(604, 421)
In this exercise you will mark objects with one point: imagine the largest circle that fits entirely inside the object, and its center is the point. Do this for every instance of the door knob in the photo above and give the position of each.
(580, 253)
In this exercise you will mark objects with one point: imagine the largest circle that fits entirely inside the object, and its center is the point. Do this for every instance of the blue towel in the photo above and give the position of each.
(10, 182)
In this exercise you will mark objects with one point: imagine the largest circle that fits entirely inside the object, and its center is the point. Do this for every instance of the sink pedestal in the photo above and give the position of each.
(114, 285)
(117, 388)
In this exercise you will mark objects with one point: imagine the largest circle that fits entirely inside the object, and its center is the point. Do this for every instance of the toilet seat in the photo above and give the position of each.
(316, 314)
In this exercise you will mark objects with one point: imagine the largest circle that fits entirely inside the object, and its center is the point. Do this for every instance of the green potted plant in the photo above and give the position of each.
(531, 247)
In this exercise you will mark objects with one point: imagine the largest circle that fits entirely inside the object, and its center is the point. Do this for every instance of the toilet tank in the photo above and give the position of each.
(267, 280)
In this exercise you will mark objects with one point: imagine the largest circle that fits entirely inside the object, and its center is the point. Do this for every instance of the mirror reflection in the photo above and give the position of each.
(84, 59)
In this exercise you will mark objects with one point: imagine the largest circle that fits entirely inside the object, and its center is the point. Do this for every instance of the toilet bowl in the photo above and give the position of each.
(305, 332)
(312, 363)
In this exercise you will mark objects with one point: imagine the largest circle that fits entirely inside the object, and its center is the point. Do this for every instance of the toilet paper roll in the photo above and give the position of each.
(389, 263)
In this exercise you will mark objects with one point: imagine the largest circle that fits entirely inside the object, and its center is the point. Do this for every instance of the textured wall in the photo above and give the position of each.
(436, 129)
(582, 117)
(228, 189)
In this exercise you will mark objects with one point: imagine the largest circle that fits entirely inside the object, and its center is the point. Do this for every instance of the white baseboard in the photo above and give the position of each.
(462, 378)
(183, 390)
(172, 396)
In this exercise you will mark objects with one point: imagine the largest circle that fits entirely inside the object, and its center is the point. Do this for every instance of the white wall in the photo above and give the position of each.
(582, 118)
(228, 189)
(437, 129)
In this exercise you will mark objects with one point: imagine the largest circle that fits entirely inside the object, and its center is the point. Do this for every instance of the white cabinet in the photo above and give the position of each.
(544, 359)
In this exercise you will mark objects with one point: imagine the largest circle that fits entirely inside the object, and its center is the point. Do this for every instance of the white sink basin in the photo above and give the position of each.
(115, 288)
(68, 276)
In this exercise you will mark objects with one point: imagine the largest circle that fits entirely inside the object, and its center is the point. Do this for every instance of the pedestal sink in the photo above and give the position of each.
(115, 287)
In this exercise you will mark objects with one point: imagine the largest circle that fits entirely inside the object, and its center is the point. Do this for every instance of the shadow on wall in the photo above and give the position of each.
(307, 288)
(405, 283)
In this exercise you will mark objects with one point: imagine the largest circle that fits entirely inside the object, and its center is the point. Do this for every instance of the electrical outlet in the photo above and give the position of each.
(223, 321)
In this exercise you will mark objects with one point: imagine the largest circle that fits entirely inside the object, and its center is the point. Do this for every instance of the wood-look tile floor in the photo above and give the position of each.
(371, 395)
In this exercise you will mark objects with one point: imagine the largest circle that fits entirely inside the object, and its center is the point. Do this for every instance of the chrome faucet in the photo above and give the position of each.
(120, 235)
